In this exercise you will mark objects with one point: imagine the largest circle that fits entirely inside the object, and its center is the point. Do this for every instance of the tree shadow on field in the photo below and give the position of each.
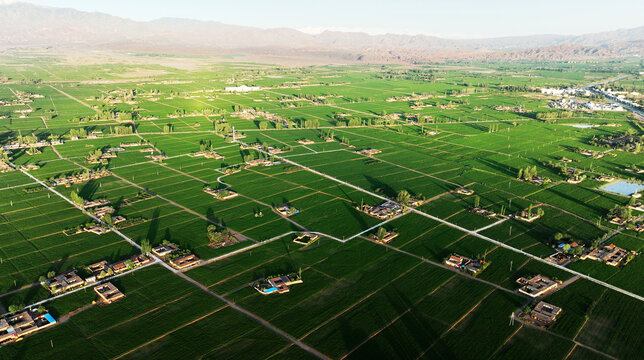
(500, 167)
(476, 126)
(89, 189)
(414, 321)
(377, 184)
(154, 226)
(356, 215)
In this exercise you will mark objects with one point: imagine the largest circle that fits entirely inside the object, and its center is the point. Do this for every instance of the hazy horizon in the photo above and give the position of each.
(496, 18)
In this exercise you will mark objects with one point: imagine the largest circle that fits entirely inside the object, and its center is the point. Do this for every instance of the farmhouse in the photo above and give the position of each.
(389, 236)
(460, 262)
(108, 293)
(609, 254)
(16, 326)
(286, 210)
(96, 229)
(164, 250)
(94, 203)
(185, 261)
(464, 191)
(305, 142)
(100, 212)
(221, 194)
(158, 157)
(536, 286)
(605, 178)
(544, 314)
(560, 258)
(383, 211)
(99, 269)
(368, 152)
(277, 284)
(259, 162)
(306, 238)
(64, 282)
(208, 155)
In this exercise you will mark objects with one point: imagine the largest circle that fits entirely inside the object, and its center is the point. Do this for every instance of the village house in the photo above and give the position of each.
(382, 211)
(368, 152)
(99, 269)
(185, 261)
(305, 142)
(108, 293)
(389, 236)
(64, 282)
(158, 157)
(460, 262)
(464, 191)
(16, 326)
(544, 314)
(306, 238)
(259, 162)
(100, 212)
(277, 284)
(94, 203)
(605, 178)
(164, 250)
(610, 254)
(96, 229)
(221, 194)
(286, 210)
(560, 258)
(537, 285)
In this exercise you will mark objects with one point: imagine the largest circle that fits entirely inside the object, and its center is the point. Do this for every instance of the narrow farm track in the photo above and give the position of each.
(469, 232)
(254, 317)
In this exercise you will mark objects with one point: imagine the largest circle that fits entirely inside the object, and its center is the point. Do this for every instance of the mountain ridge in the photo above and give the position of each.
(24, 24)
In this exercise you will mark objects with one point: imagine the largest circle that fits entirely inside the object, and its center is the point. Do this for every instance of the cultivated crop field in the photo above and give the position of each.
(390, 173)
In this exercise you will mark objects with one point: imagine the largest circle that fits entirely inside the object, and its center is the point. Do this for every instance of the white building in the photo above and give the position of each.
(242, 88)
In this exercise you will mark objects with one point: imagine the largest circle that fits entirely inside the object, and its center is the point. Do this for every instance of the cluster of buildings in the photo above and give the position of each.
(566, 91)
(537, 285)
(516, 109)
(71, 280)
(70, 180)
(483, 212)
(474, 266)
(16, 326)
(261, 162)
(277, 284)
(242, 88)
(178, 259)
(26, 145)
(610, 255)
(621, 96)
(252, 114)
(208, 154)
(102, 158)
(383, 211)
(572, 104)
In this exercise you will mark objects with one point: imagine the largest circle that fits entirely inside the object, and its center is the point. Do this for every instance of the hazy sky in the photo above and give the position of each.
(445, 18)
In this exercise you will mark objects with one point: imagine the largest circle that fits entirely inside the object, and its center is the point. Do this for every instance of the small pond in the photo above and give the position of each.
(582, 126)
(623, 187)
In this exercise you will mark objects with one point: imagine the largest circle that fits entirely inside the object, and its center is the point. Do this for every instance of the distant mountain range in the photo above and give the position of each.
(23, 24)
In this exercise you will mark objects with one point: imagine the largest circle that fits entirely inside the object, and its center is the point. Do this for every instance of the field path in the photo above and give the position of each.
(72, 97)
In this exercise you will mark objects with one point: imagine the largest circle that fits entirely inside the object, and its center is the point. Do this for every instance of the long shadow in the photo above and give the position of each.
(154, 226)
(419, 327)
(356, 216)
(377, 184)
(89, 189)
